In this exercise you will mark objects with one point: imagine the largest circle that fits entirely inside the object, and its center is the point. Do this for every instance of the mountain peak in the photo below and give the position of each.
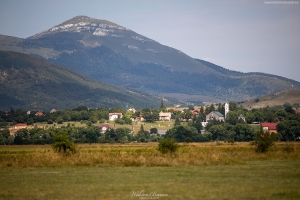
(82, 23)
(86, 19)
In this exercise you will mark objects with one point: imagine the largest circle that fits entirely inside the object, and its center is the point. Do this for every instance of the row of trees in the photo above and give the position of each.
(90, 134)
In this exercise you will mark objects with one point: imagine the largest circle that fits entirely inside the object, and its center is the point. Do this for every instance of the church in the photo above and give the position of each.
(217, 115)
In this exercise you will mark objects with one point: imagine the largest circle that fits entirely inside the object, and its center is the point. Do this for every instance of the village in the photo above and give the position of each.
(222, 122)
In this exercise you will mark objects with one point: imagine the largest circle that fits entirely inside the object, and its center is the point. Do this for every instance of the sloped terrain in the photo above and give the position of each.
(291, 96)
(110, 53)
(34, 83)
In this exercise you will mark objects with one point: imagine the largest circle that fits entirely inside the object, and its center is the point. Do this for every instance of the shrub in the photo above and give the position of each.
(264, 141)
(167, 146)
(63, 145)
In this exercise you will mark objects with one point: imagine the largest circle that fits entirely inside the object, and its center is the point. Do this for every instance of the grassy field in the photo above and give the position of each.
(135, 127)
(160, 125)
(114, 171)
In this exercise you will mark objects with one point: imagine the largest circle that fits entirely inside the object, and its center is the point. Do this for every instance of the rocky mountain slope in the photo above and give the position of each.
(33, 83)
(111, 53)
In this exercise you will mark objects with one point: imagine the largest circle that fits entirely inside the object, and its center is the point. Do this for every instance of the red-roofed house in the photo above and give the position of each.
(269, 126)
(40, 114)
(20, 126)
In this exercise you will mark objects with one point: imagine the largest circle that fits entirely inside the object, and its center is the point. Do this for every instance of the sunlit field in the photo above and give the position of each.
(135, 126)
(125, 171)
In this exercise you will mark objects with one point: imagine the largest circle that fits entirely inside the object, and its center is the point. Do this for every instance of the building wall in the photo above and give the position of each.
(213, 115)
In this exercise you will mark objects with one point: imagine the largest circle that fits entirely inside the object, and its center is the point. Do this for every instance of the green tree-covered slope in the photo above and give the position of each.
(34, 83)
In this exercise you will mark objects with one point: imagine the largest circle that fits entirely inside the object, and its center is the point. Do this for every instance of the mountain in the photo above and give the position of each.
(113, 54)
(33, 83)
(291, 96)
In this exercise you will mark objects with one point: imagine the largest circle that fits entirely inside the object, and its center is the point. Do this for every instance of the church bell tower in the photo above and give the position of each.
(226, 109)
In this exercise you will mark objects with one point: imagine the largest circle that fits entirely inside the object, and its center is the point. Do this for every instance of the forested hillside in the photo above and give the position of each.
(34, 83)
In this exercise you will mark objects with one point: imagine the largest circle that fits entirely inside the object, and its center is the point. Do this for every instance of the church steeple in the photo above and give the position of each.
(226, 109)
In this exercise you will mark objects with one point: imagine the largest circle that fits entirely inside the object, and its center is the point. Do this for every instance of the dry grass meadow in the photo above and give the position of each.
(143, 154)
(124, 171)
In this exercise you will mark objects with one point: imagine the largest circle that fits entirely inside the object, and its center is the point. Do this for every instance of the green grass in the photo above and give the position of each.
(72, 124)
(160, 125)
(254, 180)
(114, 171)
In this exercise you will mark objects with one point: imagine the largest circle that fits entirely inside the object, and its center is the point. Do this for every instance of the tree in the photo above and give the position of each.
(222, 132)
(2, 140)
(281, 114)
(197, 124)
(187, 114)
(30, 121)
(289, 130)
(232, 118)
(59, 120)
(182, 133)
(264, 141)
(22, 136)
(177, 121)
(92, 134)
(128, 114)
(288, 108)
(209, 109)
(233, 106)
(162, 106)
(153, 131)
(63, 145)
(142, 128)
(123, 135)
(150, 115)
(5, 133)
(81, 108)
(218, 132)
(243, 132)
(167, 146)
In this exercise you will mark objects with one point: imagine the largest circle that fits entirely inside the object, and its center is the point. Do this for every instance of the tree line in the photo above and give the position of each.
(187, 127)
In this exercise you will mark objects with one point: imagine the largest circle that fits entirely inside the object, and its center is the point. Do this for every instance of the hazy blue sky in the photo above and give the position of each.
(241, 35)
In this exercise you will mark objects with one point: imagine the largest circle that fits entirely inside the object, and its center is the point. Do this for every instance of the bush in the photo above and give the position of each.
(62, 144)
(264, 141)
(167, 146)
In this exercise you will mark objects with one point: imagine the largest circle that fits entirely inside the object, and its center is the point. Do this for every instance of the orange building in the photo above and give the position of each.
(269, 126)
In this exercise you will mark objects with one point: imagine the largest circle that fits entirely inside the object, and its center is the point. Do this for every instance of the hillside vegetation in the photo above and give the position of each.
(34, 83)
(113, 54)
(291, 96)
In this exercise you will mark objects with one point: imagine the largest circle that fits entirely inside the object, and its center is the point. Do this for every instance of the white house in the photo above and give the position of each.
(165, 116)
(114, 116)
